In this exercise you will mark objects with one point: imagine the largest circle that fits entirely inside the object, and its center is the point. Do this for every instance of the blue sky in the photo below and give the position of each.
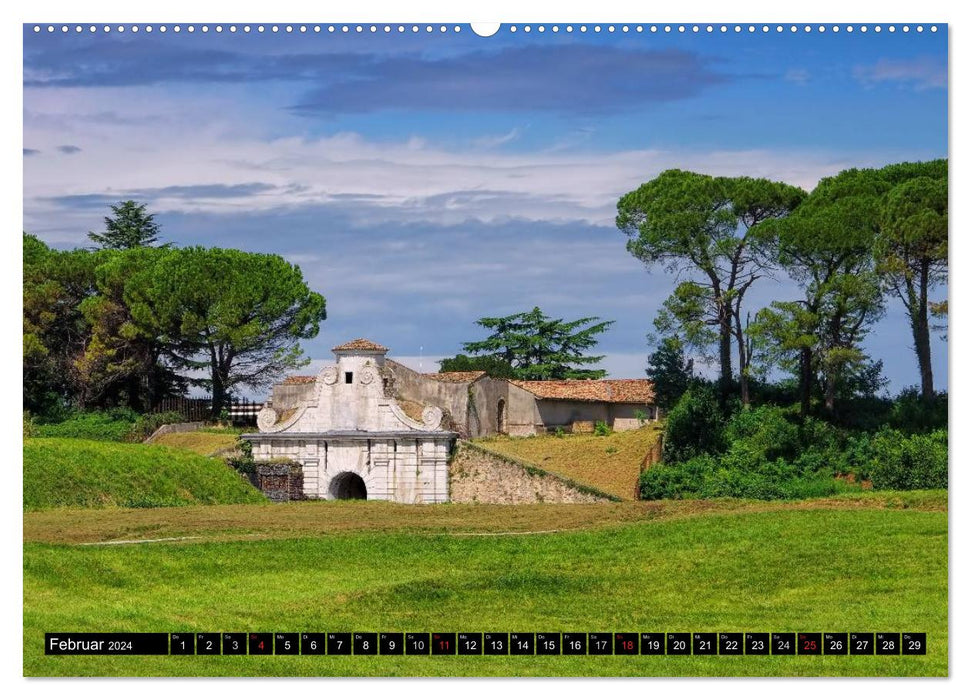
(423, 180)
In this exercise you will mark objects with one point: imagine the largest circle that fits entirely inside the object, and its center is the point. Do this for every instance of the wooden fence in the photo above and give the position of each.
(240, 412)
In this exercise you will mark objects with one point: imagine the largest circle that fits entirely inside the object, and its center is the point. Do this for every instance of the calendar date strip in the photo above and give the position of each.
(487, 643)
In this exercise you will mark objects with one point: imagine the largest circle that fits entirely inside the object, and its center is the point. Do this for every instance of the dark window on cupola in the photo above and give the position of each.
(348, 377)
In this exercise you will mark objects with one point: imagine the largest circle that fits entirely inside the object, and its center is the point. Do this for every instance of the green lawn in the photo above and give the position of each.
(66, 472)
(797, 569)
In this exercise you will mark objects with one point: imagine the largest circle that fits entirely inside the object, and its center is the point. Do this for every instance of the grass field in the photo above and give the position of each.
(65, 472)
(610, 463)
(866, 562)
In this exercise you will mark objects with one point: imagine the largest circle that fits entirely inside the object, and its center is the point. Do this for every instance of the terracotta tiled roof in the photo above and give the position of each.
(605, 390)
(360, 344)
(455, 376)
(299, 379)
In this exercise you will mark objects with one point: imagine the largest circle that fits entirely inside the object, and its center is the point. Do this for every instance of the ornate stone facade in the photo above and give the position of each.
(354, 440)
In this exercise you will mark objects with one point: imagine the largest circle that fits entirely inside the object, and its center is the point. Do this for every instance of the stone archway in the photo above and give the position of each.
(501, 417)
(348, 486)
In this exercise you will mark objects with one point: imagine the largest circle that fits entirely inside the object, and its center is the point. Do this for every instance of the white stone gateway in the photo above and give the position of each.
(354, 440)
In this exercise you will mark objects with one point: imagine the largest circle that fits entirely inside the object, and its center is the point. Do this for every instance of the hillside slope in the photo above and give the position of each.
(203, 442)
(63, 472)
(610, 463)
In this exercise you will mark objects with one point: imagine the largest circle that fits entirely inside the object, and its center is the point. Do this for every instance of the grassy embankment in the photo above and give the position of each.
(64, 472)
(209, 442)
(610, 463)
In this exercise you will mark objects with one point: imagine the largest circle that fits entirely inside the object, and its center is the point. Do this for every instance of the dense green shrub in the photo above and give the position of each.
(856, 457)
(149, 423)
(114, 425)
(913, 415)
(778, 433)
(694, 426)
(601, 429)
(767, 452)
(906, 412)
(684, 480)
(914, 462)
(734, 475)
(245, 465)
(775, 481)
(245, 447)
(891, 459)
(766, 429)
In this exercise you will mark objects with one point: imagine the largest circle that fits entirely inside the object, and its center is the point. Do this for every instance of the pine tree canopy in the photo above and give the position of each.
(539, 347)
(129, 227)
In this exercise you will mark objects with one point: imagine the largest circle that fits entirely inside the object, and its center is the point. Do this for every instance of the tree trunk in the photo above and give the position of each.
(805, 380)
(743, 362)
(135, 393)
(830, 394)
(743, 385)
(725, 350)
(218, 381)
(218, 393)
(154, 384)
(922, 337)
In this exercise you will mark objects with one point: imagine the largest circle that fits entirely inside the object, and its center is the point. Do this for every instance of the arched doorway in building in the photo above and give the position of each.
(348, 486)
(501, 417)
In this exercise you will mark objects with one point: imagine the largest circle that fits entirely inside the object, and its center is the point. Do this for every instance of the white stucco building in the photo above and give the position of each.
(353, 439)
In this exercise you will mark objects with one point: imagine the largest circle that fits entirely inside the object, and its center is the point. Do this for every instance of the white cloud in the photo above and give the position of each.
(922, 73)
(498, 139)
(799, 76)
(159, 143)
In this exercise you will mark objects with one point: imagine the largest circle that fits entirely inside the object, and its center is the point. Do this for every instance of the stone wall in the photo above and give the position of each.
(175, 428)
(451, 397)
(279, 481)
(478, 475)
(287, 396)
(484, 397)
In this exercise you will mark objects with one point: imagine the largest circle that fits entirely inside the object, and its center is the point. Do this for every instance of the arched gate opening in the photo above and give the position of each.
(348, 486)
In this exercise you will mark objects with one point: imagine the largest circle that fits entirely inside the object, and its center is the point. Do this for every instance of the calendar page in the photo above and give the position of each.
(448, 349)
